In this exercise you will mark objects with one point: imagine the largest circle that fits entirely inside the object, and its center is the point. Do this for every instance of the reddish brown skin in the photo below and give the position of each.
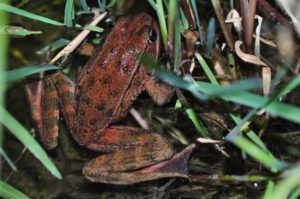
(105, 89)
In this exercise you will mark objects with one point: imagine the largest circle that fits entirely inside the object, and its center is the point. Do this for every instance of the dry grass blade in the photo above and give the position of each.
(247, 57)
(75, 43)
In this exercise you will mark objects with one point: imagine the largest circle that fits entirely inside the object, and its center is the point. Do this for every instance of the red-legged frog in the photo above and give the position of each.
(104, 91)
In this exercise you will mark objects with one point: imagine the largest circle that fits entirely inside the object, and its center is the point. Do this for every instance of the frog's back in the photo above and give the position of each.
(111, 80)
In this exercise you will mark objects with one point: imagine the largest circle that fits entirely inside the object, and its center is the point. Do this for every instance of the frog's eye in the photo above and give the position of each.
(152, 36)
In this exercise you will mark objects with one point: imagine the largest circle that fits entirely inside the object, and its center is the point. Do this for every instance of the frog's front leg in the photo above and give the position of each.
(159, 91)
(57, 94)
(140, 155)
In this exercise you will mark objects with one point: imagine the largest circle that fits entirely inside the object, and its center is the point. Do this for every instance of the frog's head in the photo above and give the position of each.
(142, 32)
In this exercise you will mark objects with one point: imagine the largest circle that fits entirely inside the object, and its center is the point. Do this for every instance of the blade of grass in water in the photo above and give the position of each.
(7, 191)
(28, 141)
(24, 13)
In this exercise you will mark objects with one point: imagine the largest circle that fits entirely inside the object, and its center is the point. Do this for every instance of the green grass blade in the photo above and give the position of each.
(3, 64)
(269, 190)
(28, 141)
(69, 13)
(102, 5)
(210, 36)
(53, 46)
(250, 133)
(199, 126)
(9, 192)
(241, 85)
(290, 182)
(85, 6)
(94, 28)
(111, 4)
(194, 6)
(206, 69)
(295, 194)
(17, 31)
(177, 43)
(20, 73)
(185, 24)
(152, 4)
(24, 13)
(7, 159)
(162, 22)
(283, 110)
(257, 153)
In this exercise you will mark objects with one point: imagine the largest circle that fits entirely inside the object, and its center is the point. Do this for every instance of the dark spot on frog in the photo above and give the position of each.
(113, 50)
(125, 36)
(91, 81)
(93, 121)
(80, 122)
(103, 64)
(77, 97)
(81, 112)
(124, 68)
(113, 94)
(109, 113)
(86, 100)
(106, 80)
(101, 106)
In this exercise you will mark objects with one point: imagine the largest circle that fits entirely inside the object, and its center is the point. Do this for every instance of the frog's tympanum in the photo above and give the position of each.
(104, 91)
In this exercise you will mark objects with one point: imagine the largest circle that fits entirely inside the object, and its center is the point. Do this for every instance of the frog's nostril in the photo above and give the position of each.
(152, 36)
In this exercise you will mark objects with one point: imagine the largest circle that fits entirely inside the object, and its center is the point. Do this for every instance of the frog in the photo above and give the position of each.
(101, 96)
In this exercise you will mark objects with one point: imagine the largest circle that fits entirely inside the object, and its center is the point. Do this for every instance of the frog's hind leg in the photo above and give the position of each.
(142, 156)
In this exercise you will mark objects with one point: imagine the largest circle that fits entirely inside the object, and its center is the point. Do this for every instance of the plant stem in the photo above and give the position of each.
(219, 13)
(3, 63)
